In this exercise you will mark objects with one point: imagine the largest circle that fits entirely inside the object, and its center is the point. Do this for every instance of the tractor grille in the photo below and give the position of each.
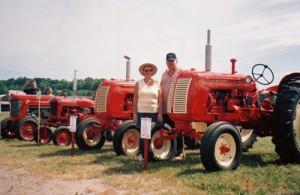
(180, 95)
(101, 99)
(53, 108)
(16, 108)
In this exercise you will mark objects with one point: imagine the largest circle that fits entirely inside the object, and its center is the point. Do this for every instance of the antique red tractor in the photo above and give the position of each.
(214, 107)
(23, 119)
(113, 116)
(61, 108)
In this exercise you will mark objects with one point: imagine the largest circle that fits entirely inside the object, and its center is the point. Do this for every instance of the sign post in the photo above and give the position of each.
(146, 135)
(73, 120)
(38, 96)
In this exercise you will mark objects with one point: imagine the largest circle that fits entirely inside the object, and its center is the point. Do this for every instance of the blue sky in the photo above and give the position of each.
(51, 38)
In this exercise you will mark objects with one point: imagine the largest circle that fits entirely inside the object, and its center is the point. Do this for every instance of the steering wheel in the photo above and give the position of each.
(262, 74)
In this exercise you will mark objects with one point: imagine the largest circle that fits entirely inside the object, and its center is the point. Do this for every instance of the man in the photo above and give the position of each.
(167, 78)
(30, 90)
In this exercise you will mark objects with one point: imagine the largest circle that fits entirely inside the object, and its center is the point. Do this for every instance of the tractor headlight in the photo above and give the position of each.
(248, 79)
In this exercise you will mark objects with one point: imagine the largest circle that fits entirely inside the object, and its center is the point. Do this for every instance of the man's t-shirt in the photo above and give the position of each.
(31, 91)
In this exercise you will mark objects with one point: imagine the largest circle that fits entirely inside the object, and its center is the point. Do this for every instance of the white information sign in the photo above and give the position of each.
(38, 94)
(73, 120)
(146, 128)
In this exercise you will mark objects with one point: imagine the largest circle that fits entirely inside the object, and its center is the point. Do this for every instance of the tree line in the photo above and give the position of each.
(85, 87)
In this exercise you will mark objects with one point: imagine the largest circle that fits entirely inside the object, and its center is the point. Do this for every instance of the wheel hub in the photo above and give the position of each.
(158, 143)
(224, 149)
(130, 140)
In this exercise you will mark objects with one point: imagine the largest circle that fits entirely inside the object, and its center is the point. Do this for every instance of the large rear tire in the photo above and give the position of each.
(221, 147)
(7, 128)
(26, 128)
(286, 123)
(126, 139)
(62, 136)
(159, 149)
(87, 138)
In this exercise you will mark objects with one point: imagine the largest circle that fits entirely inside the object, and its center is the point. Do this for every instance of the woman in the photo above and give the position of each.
(146, 98)
(48, 91)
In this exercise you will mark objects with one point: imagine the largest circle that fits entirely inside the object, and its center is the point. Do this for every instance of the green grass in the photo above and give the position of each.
(260, 171)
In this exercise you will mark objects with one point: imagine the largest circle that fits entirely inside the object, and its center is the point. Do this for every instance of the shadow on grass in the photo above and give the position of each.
(260, 160)
(77, 152)
(128, 165)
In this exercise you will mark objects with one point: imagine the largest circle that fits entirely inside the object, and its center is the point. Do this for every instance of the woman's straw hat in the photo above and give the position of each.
(154, 69)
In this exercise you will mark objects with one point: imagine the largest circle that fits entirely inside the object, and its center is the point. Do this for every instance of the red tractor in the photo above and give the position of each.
(23, 120)
(113, 116)
(213, 108)
(61, 109)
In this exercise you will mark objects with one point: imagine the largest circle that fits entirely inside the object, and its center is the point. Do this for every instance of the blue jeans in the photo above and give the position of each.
(153, 117)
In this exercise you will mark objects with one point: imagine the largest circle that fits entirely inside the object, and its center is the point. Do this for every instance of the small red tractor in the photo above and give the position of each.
(113, 116)
(214, 107)
(23, 119)
(61, 108)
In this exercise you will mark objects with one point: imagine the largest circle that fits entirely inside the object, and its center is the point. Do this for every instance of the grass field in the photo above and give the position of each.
(260, 171)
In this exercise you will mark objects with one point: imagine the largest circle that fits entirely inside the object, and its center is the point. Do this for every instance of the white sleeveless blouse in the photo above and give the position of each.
(147, 97)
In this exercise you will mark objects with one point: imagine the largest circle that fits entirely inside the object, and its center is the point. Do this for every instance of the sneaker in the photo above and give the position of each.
(181, 156)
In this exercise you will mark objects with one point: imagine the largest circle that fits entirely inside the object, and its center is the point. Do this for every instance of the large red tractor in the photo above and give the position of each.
(23, 119)
(61, 108)
(113, 118)
(214, 107)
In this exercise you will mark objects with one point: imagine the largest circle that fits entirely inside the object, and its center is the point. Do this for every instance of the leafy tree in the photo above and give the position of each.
(85, 87)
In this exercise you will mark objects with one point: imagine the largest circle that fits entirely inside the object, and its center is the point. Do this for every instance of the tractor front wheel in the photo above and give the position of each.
(45, 135)
(88, 135)
(221, 147)
(286, 123)
(126, 139)
(62, 136)
(159, 148)
(26, 128)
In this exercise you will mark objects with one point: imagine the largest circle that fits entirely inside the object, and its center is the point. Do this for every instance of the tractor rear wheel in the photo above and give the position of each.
(87, 138)
(221, 147)
(7, 129)
(286, 123)
(126, 139)
(248, 138)
(26, 128)
(158, 148)
(45, 135)
(62, 136)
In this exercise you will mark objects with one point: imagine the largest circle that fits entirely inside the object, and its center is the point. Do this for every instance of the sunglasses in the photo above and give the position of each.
(148, 70)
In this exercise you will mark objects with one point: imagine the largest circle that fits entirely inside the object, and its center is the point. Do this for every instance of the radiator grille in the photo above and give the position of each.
(101, 99)
(181, 94)
(16, 108)
(53, 108)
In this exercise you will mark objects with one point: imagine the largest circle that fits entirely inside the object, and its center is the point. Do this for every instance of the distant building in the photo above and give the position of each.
(4, 103)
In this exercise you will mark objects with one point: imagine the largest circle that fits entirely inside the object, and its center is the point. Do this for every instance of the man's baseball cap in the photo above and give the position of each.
(171, 56)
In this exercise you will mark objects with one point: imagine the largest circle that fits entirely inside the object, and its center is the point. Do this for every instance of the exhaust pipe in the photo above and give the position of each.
(208, 53)
(127, 68)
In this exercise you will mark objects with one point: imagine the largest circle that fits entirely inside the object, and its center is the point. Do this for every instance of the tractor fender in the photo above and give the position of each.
(272, 90)
(286, 79)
